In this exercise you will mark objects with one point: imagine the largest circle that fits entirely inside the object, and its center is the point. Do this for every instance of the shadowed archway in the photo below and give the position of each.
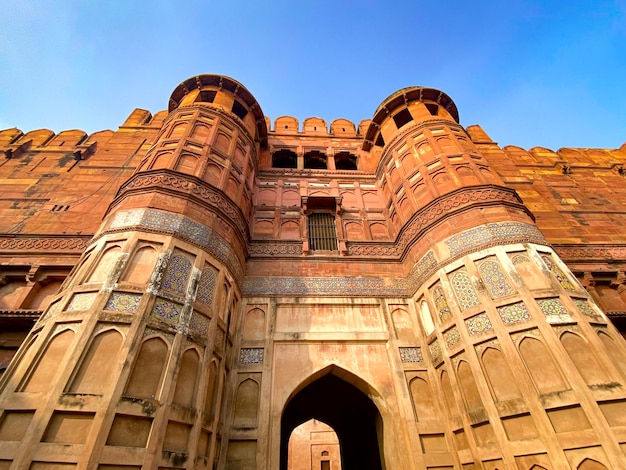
(344, 407)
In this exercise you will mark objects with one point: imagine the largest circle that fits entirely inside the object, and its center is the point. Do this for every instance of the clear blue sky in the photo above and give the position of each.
(542, 73)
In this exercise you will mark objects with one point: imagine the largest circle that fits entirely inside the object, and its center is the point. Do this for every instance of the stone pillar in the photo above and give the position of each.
(127, 366)
(522, 368)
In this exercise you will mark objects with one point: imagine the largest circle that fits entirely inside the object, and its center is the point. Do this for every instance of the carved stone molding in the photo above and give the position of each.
(275, 249)
(43, 243)
(167, 223)
(434, 213)
(468, 241)
(589, 252)
(187, 186)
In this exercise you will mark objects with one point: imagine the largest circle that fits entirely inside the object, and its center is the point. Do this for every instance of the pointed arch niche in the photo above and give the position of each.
(339, 399)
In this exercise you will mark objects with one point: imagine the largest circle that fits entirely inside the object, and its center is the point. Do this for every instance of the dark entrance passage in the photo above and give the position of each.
(348, 411)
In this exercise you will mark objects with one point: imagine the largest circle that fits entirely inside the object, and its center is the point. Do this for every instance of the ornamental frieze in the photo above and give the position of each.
(43, 243)
(435, 212)
(189, 186)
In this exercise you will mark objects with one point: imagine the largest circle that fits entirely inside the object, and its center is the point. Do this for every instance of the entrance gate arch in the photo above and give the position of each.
(334, 400)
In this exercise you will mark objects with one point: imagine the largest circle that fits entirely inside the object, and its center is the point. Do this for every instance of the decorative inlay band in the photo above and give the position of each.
(153, 220)
(479, 238)
(190, 186)
(512, 232)
(323, 286)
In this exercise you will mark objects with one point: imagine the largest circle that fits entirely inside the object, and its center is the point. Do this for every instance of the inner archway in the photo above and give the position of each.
(346, 409)
(314, 446)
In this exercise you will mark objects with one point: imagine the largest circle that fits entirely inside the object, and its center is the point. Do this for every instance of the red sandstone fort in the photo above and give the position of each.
(205, 288)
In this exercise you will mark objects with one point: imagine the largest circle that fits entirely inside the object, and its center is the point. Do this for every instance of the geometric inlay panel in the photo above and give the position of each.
(514, 313)
(177, 273)
(558, 273)
(206, 285)
(82, 301)
(167, 310)
(495, 279)
(478, 324)
(554, 311)
(123, 302)
(452, 336)
(251, 356)
(199, 324)
(439, 298)
(519, 259)
(435, 350)
(413, 354)
(179, 225)
(586, 309)
(464, 290)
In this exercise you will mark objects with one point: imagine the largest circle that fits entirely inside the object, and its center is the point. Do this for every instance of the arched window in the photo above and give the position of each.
(315, 160)
(284, 159)
(345, 161)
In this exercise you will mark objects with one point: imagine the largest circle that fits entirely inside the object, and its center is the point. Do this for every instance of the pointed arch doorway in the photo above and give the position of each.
(336, 397)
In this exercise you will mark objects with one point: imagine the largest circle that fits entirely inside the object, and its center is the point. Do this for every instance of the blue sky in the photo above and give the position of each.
(543, 73)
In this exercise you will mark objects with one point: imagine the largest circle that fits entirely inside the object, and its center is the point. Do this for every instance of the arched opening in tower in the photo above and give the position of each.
(348, 411)
(314, 445)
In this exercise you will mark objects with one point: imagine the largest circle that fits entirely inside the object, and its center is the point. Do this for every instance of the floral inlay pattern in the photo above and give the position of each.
(478, 324)
(554, 310)
(557, 273)
(584, 308)
(439, 298)
(496, 281)
(452, 337)
(464, 290)
(82, 301)
(123, 302)
(514, 313)
(167, 310)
